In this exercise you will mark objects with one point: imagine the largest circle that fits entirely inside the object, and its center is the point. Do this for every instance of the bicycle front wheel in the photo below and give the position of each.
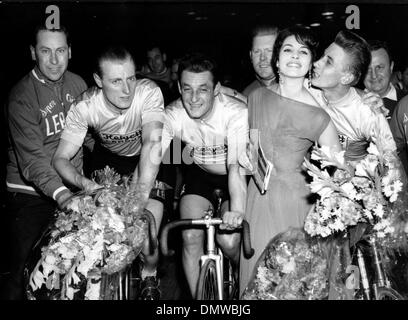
(207, 282)
(388, 294)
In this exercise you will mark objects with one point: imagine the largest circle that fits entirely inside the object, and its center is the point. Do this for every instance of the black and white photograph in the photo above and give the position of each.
(204, 155)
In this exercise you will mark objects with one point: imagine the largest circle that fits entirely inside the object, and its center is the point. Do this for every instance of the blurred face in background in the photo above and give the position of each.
(156, 60)
(379, 73)
(261, 55)
(51, 54)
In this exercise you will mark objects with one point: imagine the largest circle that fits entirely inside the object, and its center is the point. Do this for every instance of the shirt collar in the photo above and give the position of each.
(340, 101)
(392, 93)
(36, 72)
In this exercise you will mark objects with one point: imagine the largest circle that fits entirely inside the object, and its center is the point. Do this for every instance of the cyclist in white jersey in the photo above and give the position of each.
(126, 116)
(214, 127)
(341, 66)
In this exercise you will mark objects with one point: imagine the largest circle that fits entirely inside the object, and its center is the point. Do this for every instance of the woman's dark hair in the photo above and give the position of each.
(197, 63)
(302, 34)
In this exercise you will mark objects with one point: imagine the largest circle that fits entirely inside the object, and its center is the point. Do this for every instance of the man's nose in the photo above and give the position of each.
(373, 73)
(263, 55)
(54, 58)
(194, 96)
(126, 88)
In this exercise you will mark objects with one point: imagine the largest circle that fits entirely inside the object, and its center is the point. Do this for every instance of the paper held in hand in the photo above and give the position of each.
(263, 168)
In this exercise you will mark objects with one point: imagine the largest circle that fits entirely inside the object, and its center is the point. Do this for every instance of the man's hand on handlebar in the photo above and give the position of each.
(231, 220)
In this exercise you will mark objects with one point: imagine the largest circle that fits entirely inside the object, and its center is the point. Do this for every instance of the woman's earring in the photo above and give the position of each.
(309, 79)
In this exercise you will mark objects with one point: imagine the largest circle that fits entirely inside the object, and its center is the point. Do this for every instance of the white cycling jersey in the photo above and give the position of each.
(119, 132)
(354, 120)
(213, 142)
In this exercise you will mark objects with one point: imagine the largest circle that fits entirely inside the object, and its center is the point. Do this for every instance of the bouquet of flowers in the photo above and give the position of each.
(99, 233)
(292, 267)
(366, 191)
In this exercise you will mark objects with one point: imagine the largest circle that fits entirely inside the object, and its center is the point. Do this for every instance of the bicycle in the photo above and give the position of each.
(215, 282)
(375, 282)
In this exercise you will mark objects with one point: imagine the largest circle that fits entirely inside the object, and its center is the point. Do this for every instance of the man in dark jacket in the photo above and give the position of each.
(378, 77)
(36, 112)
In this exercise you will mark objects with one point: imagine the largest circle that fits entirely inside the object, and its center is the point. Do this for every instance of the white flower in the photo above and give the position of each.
(320, 187)
(116, 222)
(361, 170)
(37, 280)
(337, 225)
(379, 210)
(373, 149)
(349, 189)
(50, 259)
(383, 228)
(368, 214)
(367, 166)
(289, 266)
(325, 214)
(392, 190)
(70, 292)
(328, 157)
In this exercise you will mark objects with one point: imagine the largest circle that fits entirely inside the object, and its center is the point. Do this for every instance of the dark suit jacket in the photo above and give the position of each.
(391, 104)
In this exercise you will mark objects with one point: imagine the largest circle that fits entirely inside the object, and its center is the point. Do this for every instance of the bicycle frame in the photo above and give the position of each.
(380, 278)
(212, 251)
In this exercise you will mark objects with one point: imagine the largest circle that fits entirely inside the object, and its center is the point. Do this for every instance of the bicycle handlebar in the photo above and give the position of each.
(248, 250)
(152, 231)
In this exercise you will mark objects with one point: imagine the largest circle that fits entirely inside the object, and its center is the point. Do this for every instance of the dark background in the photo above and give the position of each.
(220, 28)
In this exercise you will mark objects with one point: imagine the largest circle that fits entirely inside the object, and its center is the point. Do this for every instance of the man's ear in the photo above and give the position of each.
(392, 66)
(347, 78)
(98, 80)
(32, 50)
(217, 88)
(250, 54)
(164, 57)
(179, 86)
(69, 52)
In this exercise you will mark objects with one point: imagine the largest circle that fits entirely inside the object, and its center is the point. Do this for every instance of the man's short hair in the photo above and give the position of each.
(359, 51)
(379, 44)
(302, 34)
(263, 30)
(42, 27)
(197, 63)
(111, 53)
(154, 45)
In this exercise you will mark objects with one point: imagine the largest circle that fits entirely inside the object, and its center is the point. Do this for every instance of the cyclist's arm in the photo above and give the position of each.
(72, 139)
(238, 191)
(237, 139)
(150, 159)
(61, 161)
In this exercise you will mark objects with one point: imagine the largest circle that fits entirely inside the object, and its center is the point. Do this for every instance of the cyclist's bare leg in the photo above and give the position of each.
(192, 207)
(229, 241)
(150, 260)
